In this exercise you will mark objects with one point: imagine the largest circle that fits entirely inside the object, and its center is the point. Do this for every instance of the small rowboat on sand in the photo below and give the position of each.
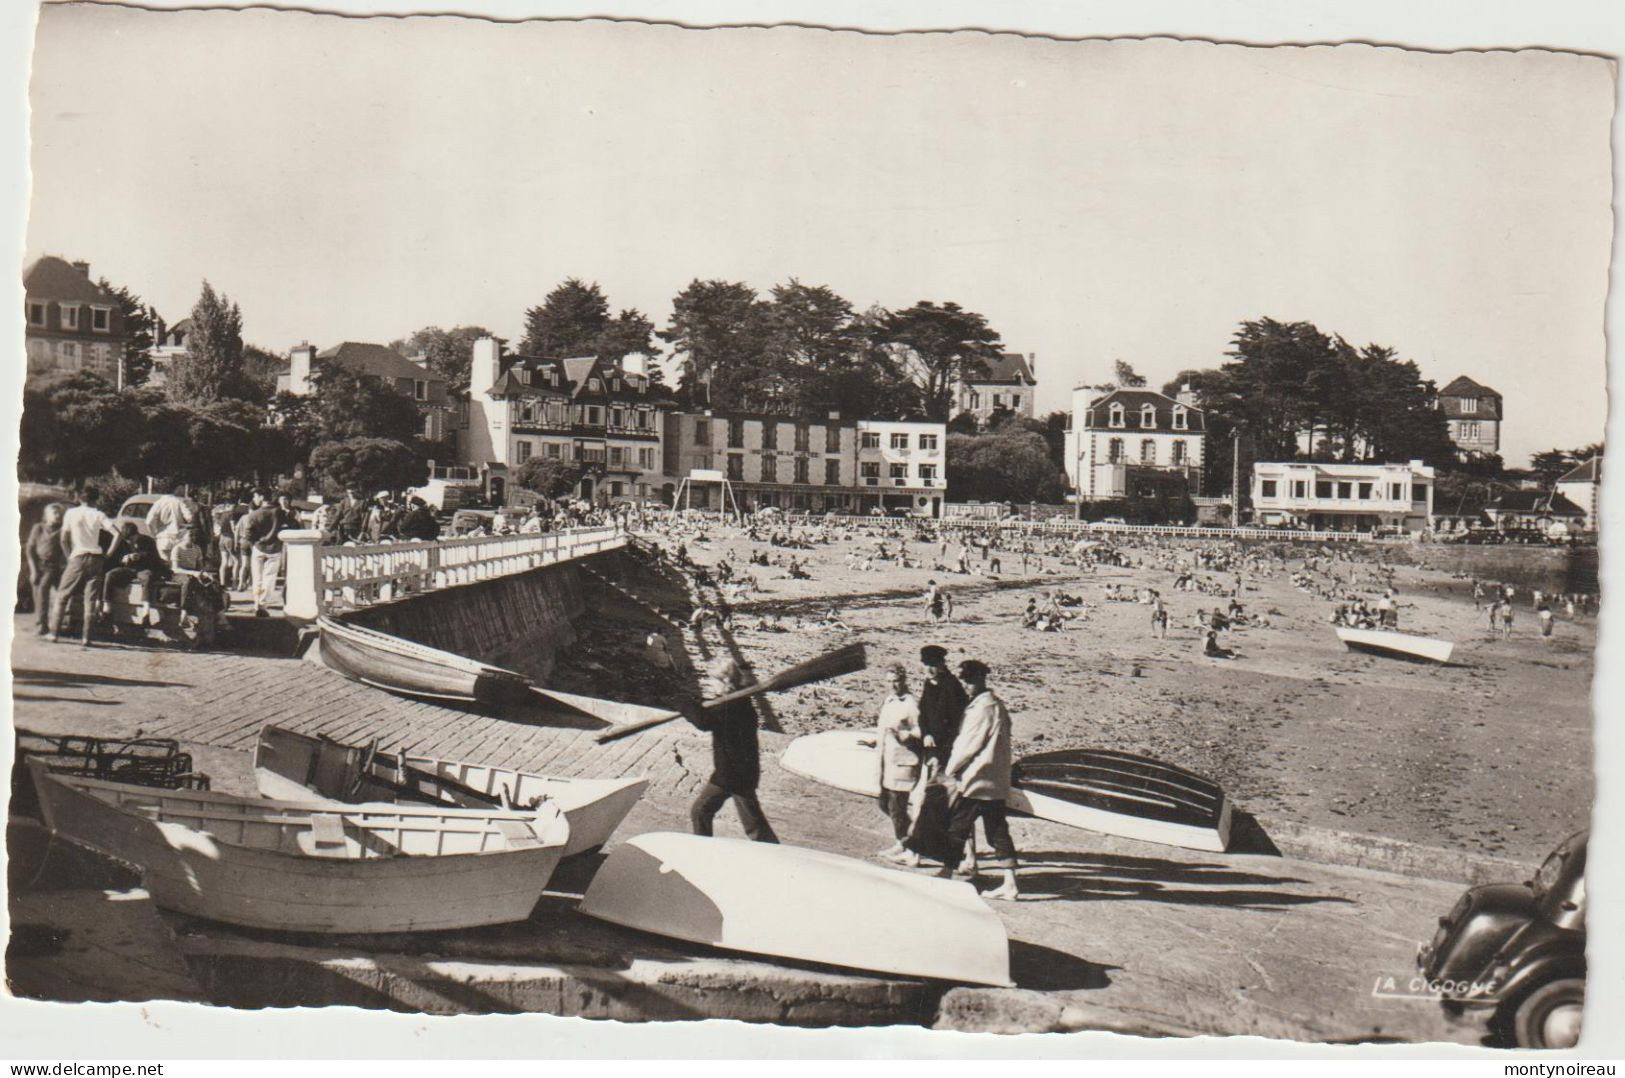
(809, 905)
(1397, 645)
(302, 867)
(295, 766)
(1113, 793)
(412, 669)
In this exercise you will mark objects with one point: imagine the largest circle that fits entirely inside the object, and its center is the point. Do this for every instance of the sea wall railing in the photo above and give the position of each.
(1078, 529)
(322, 579)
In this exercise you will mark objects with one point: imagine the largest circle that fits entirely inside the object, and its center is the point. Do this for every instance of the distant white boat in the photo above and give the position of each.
(1396, 644)
(295, 766)
(790, 902)
(1112, 793)
(303, 867)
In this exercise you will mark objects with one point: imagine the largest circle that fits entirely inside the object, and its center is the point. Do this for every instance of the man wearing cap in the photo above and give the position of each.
(942, 704)
(977, 777)
(735, 756)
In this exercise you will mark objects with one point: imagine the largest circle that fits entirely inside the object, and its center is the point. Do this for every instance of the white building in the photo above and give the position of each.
(1342, 497)
(1115, 432)
(902, 464)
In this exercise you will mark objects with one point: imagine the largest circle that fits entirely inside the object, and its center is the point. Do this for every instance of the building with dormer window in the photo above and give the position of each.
(1118, 436)
(1006, 384)
(70, 322)
(582, 408)
(1474, 413)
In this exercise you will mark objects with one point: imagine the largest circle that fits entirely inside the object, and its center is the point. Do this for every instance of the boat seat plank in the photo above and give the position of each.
(328, 830)
(518, 834)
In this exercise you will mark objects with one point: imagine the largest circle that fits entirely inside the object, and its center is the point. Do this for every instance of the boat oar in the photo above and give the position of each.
(843, 660)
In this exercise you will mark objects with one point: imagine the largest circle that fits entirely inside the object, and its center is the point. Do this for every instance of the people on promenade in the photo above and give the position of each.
(977, 777)
(169, 516)
(942, 704)
(736, 768)
(897, 748)
(262, 529)
(46, 560)
(82, 529)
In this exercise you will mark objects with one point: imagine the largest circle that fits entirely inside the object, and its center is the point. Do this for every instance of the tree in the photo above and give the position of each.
(137, 320)
(368, 463)
(553, 477)
(1010, 464)
(260, 369)
(1126, 376)
(718, 329)
(450, 352)
(626, 333)
(569, 321)
(77, 425)
(1053, 431)
(937, 346)
(212, 367)
(348, 405)
(1552, 463)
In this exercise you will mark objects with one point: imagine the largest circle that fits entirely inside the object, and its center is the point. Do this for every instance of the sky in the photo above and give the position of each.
(357, 179)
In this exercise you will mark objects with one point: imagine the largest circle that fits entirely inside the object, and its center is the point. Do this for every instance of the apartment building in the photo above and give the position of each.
(1342, 497)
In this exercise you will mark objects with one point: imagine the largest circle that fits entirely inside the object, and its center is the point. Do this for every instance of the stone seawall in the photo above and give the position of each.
(519, 622)
(1551, 569)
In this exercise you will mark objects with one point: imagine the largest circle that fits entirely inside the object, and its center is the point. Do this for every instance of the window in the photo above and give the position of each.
(899, 441)
(36, 314)
(1179, 452)
(1117, 416)
(1469, 430)
(975, 400)
(617, 417)
(1148, 450)
(646, 459)
(428, 426)
(1148, 417)
(1365, 492)
(871, 439)
(1181, 418)
(595, 416)
(1015, 402)
(616, 488)
(803, 440)
(523, 448)
(617, 455)
(832, 439)
(1396, 492)
(1345, 491)
(928, 442)
(770, 469)
(1266, 488)
(770, 435)
(101, 319)
(1323, 488)
(1469, 406)
(899, 474)
(736, 434)
(801, 470)
(552, 451)
(702, 432)
(832, 472)
(870, 471)
(593, 384)
(736, 466)
(1419, 492)
(68, 351)
(70, 317)
(420, 391)
(998, 401)
(1114, 451)
(643, 418)
(928, 473)
(1300, 488)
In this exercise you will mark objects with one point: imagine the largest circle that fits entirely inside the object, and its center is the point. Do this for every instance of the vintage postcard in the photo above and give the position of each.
(959, 531)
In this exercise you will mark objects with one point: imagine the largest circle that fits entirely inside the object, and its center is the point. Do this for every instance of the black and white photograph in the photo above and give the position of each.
(956, 531)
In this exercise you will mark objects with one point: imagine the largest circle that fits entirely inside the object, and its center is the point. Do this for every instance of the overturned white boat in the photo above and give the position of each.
(790, 902)
(1113, 793)
(1397, 645)
(295, 766)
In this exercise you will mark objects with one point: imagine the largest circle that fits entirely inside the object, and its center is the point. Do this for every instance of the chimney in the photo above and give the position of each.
(1032, 363)
(83, 267)
(1186, 395)
(300, 360)
(635, 363)
(486, 366)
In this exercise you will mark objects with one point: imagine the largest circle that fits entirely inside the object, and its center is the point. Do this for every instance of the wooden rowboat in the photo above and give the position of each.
(295, 766)
(1113, 793)
(1397, 645)
(412, 669)
(302, 867)
(789, 902)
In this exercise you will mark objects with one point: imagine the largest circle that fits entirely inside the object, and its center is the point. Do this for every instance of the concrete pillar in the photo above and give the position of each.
(304, 587)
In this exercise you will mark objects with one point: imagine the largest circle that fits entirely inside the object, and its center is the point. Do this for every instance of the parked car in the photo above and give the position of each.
(1513, 954)
(135, 510)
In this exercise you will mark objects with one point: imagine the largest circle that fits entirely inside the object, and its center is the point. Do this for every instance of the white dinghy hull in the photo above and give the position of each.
(808, 905)
(1396, 645)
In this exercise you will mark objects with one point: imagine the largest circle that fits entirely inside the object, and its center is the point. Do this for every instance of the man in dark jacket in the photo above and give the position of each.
(942, 704)
(735, 757)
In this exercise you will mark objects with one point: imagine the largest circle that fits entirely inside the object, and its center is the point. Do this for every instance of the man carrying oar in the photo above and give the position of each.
(735, 756)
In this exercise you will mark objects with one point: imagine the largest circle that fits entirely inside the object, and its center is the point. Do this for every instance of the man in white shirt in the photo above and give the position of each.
(168, 517)
(82, 530)
(977, 776)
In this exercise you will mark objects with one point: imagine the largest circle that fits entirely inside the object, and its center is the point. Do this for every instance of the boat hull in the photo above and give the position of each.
(801, 904)
(189, 866)
(1111, 793)
(410, 669)
(290, 764)
(1395, 645)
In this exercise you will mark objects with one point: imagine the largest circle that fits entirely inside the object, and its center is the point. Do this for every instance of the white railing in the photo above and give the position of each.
(325, 578)
(1078, 528)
